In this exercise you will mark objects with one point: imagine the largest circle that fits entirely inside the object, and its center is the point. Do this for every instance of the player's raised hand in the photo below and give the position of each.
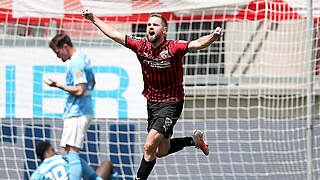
(87, 14)
(218, 32)
(50, 82)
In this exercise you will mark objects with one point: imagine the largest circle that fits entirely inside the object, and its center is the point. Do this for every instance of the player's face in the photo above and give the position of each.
(155, 29)
(61, 53)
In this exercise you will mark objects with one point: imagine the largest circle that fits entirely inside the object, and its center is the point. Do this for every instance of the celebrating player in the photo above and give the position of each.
(55, 166)
(161, 63)
(79, 83)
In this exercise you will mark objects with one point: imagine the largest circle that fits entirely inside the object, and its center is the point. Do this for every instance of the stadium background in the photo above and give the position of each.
(247, 91)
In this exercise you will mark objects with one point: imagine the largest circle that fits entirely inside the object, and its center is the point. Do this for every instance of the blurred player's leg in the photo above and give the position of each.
(75, 165)
(87, 171)
(74, 131)
(149, 159)
(177, 144)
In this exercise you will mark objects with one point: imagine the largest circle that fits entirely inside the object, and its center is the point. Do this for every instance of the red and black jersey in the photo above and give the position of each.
(162, 68)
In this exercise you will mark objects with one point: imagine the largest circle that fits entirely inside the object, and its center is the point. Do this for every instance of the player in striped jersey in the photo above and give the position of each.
(162, 69)
(68, 167)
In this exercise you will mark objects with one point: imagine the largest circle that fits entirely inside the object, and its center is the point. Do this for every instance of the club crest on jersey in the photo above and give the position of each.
(79, 73)
(164, 54)
(167, 122)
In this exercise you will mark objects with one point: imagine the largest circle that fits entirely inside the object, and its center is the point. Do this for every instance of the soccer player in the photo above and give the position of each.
(80, 81)
(55, 166)
(161, 63)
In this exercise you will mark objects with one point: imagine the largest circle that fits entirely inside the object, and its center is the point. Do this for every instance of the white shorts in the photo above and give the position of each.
(74, 131)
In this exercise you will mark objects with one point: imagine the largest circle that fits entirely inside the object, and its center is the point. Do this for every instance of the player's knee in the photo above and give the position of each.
(149, 147)
(107, 164)
(161, 154)
(105, 169)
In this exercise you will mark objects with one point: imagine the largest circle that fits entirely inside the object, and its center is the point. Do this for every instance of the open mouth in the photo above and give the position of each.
(151, 33)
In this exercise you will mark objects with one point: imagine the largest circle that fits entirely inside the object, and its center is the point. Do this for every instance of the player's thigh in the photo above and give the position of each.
(85, 123)
(164, 116)
(74, 131)
(68, 131)
(82, 126)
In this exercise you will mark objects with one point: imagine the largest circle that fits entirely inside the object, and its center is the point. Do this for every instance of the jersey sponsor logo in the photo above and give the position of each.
(162, 64)
(164, 54)
(135, 38)
(79, 73)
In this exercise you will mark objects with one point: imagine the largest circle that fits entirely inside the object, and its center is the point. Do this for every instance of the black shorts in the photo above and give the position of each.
(162, 116)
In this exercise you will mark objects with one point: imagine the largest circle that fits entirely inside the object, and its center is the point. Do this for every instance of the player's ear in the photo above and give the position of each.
(165, 30)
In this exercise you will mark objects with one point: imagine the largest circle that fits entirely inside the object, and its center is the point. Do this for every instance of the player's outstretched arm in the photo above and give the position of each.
(78, 90)
(205, 41)
(107, 29)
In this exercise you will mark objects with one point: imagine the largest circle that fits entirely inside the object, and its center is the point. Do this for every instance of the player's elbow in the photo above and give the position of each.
(80, 92)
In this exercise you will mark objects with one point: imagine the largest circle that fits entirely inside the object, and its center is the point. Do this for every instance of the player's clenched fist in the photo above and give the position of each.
(87, 14)
(218, 32)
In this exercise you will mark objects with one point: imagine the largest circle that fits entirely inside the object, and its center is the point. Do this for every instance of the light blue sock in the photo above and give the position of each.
(75, 165)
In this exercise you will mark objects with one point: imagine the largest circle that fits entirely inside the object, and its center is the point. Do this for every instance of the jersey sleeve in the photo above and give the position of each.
(78, 73)
(181, 47)
(133, 43)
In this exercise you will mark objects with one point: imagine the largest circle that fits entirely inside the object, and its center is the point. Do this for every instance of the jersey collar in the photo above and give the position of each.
(163, 42)
(47, 159)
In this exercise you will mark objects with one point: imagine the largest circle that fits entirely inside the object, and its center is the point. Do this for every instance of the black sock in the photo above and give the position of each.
(145, 169)
(177, 144)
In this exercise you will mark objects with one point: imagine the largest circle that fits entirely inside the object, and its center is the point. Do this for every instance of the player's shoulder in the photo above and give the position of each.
(36, 175)
(79, 60)
(56, 159)
(81, 56)
(177, 43)
(180, 41)
(136, 38)
(133, 37)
